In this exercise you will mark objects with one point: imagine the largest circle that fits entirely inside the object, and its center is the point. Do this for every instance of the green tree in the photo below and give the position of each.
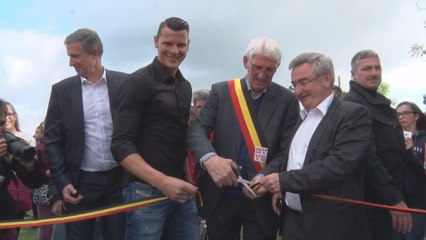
(384, 89)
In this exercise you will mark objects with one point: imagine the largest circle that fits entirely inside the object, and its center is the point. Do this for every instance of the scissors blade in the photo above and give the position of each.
(243, 181)
(246, 184)
(249, 189)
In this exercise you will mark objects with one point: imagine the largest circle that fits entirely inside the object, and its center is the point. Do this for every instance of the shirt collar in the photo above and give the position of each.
(322, 107)
(84, 80)
(164, 75)
(251, 91)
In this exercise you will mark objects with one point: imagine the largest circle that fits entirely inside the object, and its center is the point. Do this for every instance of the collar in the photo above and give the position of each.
(322, 107)
(251, 91)
(163, 75)
(375, 99)
(84, 80)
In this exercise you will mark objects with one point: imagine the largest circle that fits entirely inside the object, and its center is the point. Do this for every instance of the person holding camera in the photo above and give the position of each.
(19, 192)
(11, 162)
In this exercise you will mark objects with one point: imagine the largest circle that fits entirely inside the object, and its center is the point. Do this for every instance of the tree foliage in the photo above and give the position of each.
(384, 89)
(417, 50)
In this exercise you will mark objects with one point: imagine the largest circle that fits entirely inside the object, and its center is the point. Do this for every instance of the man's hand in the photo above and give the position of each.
(401, 221)
(71, 195)
(271, 183)
(176, 189)
(222, 171)
(57, 207)
(277, 202)
(259, 190)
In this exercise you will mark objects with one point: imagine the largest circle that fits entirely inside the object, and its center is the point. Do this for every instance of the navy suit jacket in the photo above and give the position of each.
(334, 165)
(277, 116)
(64, 130)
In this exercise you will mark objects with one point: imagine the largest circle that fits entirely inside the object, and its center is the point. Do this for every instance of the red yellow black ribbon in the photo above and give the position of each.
(244, 116)
(81, 216)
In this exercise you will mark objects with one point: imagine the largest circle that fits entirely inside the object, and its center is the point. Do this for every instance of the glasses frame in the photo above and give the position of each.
(404, 113)
(302, 83)
(258, 69)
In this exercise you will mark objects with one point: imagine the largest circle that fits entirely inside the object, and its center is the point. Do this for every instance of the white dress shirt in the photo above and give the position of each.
(300, 142)
(97, 126)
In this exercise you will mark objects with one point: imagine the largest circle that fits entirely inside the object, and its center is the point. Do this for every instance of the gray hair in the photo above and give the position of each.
(88, 38)
(265, 46)
(321, 63)
(361, 55)
(200, 95)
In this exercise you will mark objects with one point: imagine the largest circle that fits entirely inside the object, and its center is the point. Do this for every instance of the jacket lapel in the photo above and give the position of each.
(267, 107)
(319, 132)
(76, 97)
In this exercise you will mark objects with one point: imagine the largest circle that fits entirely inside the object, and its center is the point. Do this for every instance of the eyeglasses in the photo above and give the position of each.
(404, 113)
(302, 83)
(10, 114)
(258, 69)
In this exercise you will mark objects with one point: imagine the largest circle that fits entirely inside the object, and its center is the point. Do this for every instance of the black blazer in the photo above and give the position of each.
(64, 130)
(277, 117)
(334, 165)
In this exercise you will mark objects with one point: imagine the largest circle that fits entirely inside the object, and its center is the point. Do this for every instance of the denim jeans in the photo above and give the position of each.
(162, 220)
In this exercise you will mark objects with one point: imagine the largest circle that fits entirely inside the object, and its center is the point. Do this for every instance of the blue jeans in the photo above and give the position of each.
(162, 220)
(419, 227)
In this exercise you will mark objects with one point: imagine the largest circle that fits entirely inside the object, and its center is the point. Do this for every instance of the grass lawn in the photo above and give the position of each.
(28, 233)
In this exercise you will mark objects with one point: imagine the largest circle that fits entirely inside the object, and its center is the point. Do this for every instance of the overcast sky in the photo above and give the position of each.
(33, 57)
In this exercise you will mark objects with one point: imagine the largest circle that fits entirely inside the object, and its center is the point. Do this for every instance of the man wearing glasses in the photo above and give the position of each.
(326, 155)
(387, 145)
(252, 119)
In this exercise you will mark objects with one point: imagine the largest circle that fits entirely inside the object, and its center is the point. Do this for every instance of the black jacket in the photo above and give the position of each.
(386, 145)
(415, 177)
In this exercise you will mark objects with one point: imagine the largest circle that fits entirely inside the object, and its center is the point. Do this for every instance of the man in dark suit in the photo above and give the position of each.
(78, 136)
(325, 156)
(272, 109)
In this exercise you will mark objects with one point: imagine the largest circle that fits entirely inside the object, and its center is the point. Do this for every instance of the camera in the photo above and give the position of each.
(18, 148)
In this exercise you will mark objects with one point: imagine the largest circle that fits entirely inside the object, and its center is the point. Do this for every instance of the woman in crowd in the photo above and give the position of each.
(21, 194)
(26, 169)
(12, 125)
(413, 122)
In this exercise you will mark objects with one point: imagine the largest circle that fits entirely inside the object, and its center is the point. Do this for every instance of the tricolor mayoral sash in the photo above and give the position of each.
(249, 124)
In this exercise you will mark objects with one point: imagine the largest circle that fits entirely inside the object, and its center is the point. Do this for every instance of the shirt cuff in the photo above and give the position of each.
(205, 157)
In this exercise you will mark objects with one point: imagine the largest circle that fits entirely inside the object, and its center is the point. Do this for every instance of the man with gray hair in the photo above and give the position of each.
(325, 156)
(387, 144)
(252, 120)
(199, 98)
(78, 134)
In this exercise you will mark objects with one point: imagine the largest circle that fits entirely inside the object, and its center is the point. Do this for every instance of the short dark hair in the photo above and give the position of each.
(174, 23)
(89, 39)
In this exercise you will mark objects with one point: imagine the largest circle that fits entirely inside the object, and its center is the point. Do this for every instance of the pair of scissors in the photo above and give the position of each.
(247, 184)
